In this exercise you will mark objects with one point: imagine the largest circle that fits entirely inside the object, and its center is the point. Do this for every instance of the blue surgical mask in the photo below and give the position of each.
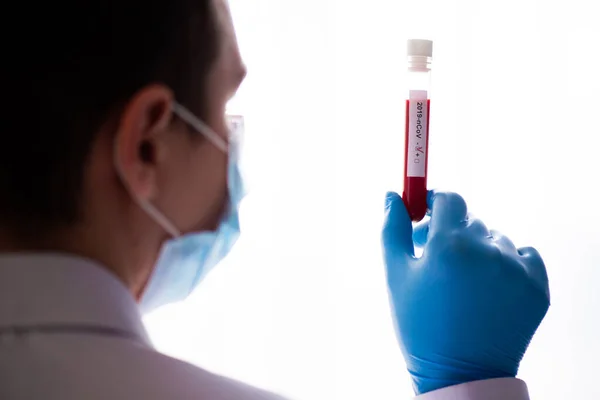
(186, 259)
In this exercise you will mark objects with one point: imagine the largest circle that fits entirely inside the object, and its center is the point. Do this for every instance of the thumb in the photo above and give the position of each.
(397, 230)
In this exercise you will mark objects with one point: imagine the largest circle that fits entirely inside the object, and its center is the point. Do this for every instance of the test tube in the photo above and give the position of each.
(416, 145)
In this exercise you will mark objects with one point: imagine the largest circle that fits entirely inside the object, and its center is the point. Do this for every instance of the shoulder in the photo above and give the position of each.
(183, 380)
(98, 367)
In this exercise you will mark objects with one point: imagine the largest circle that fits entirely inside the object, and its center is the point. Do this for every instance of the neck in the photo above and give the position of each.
(127, 259)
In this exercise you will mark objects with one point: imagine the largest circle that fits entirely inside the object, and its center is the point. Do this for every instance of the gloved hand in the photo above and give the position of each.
(468, 308)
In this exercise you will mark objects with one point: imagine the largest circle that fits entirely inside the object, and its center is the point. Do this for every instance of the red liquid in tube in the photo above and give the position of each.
(416, 155)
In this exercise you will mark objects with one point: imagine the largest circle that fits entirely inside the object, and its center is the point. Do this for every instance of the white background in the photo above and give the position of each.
(300, 306)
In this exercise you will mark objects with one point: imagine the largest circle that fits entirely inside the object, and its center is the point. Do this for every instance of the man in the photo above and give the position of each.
(119, 188)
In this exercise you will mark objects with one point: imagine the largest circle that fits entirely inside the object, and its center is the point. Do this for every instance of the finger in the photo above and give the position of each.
(448, 211)
(397, 229)
(477, 228)
(503, 242)
(420, 234)
(535, 267)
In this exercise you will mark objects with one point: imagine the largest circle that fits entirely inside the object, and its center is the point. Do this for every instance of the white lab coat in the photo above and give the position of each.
(69, 330)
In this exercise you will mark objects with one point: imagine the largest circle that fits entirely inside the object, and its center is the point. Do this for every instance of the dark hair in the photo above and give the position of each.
(67, 67)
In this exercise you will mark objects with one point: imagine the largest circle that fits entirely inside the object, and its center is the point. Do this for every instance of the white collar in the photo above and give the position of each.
(52, 291)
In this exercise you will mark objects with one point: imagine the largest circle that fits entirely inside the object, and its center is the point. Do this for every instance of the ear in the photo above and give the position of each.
(145, 117)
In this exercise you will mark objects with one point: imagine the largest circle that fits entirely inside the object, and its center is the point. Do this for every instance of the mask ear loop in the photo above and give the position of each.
(216, 139)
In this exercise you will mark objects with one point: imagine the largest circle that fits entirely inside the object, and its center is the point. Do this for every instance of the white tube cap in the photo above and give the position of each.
(419, 48)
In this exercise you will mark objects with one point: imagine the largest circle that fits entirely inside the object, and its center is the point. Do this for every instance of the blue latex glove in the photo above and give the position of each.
(468, 308)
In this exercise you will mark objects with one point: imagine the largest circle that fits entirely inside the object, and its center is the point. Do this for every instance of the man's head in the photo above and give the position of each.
(88, 127)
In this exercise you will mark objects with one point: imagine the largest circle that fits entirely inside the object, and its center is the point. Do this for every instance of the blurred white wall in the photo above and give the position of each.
(300, 307)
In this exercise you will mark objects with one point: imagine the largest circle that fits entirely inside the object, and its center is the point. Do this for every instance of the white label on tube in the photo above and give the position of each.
(417, 133)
